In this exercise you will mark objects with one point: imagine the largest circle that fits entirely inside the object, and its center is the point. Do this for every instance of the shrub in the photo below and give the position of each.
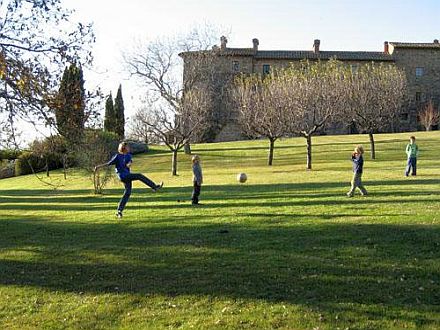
(97, 148)
(28, 163)
(7, 169)
(137, 147)
(9, 154)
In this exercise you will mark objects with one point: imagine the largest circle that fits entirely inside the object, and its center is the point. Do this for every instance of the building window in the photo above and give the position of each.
(420, 72)
(354, 68)
(404, 116)
(418, 96)
(235, 66)
(266, 68)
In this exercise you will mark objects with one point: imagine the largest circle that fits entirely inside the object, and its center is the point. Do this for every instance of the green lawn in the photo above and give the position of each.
(287, 249)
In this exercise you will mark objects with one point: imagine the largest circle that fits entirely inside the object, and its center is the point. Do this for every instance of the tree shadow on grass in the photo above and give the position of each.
(222, 196)
(329, 267)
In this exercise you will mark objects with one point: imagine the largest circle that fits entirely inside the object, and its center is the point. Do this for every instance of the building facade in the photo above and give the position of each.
(419, 61)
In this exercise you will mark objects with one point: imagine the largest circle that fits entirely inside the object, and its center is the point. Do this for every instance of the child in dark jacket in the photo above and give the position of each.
(122, 161)
(358, 166)
(197, 179)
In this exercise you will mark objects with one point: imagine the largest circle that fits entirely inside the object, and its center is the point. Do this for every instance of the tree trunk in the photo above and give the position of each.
(309, 151)
(174, 163)
(47, 168)
(271, 148)
(187, 148)
(64, 166)
(372, 146)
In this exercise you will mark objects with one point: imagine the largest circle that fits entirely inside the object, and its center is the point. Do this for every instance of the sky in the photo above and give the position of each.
(278, 24)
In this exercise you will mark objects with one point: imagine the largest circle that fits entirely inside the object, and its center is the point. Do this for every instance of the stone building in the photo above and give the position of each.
(419, 61)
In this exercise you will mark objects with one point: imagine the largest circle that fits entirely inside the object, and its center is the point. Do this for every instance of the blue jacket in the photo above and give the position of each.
(120, 161)
(358, 163)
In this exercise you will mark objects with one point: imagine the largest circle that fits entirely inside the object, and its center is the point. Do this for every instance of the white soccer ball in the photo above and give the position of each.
(242, 177)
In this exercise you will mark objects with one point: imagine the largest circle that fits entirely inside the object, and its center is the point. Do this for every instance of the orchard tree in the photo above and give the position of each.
(262, 107)
(175, 129)
(315, 94)
(376, 95)
(119, 110)
(37, 39)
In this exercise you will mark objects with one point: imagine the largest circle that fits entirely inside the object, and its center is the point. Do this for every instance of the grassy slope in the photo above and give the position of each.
(298, 253)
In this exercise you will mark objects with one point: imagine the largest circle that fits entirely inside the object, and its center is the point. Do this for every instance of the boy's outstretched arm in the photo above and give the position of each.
(109, 163)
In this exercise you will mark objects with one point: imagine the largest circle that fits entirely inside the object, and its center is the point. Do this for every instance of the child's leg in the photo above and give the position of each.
(353, 186)
(361, 186)
(142, 178)
(196, 193)
(414, 166)
(408, 166)
(126, 196)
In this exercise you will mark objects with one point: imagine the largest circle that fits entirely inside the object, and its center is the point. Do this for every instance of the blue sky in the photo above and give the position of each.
(278, 24)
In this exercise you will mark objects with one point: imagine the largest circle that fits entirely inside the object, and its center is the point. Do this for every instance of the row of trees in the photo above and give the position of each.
(303, 99)
(114, 120)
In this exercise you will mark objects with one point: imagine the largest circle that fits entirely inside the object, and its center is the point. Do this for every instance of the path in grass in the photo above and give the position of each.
(285, 250)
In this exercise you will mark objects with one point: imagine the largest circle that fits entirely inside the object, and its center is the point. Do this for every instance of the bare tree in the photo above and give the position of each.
(316, 95)
(159, 67)
(176, 128)
(429, 116)
(137, 127)
(262, 107)
(376, 95)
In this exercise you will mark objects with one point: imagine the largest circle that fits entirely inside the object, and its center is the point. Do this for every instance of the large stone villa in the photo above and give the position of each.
(420, 62)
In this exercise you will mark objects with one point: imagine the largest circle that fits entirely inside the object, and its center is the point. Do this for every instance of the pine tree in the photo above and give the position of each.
(109, 120)
(119, 114)
(70, 107)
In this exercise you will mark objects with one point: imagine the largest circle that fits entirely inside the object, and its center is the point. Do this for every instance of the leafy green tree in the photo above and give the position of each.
(37, 39)
(70, 104)
(109, 119)
(119, 114)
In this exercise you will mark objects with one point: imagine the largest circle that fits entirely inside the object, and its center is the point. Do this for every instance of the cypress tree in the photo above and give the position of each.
(69, 111)
(119, 114)
(109, 119)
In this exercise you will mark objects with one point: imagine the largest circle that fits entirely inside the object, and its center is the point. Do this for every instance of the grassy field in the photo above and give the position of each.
(287, 249)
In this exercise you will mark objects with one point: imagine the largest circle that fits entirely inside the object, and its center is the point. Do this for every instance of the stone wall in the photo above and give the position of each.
(225, 125)
(427, 86)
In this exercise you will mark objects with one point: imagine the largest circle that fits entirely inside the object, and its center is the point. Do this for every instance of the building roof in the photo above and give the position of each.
(323, 55)
(433, 45)
(303, 54)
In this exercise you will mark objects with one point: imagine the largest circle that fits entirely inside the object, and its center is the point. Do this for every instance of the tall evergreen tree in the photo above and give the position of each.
(69, 110)
(109, 120)
(119, 114)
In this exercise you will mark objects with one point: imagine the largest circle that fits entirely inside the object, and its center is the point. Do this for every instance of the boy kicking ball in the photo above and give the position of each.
(122, 161)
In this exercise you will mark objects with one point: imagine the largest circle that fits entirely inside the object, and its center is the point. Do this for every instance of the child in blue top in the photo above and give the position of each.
(122, 161)
(358, 168)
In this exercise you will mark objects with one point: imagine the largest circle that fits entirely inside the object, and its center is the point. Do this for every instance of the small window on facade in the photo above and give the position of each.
(418, 96)
(420, 72)
(235, 66)
(266, 68)
(354, 68)
(404, 116)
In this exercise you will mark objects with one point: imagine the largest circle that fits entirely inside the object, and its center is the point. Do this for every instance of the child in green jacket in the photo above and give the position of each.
(412, 151)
